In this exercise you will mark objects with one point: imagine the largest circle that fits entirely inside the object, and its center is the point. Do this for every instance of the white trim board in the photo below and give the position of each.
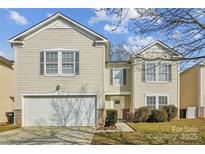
(160, 43)
(121, 93)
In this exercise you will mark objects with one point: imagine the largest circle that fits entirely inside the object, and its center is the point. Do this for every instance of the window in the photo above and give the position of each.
(51, 62)
(163, 72)
(151, 102)
(117, 101)
(151, 72)
(64, 62)
(162, 101)
(118, 76)
(67, 62)
(156, 101)
(158, 72)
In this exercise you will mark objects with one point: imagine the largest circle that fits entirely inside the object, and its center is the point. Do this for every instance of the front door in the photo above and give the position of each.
(118, 104)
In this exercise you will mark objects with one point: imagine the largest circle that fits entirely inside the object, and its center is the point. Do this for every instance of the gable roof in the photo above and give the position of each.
(17, 38)
(6, 61)
(161, 44)
(199, 64)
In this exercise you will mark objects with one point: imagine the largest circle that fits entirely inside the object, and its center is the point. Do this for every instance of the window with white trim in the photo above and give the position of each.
(162, 101)
(151, 102)
(151, 72)
(158, 72)
(164, 72)
(118, 76)
(59, 62)
(51, 62)
(156, 101)
(68, 63)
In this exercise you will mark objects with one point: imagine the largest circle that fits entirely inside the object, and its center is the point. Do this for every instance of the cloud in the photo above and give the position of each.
(100, 16)
(113, 20)
(139, 41)
(197, 36)
(17, 18)
(113, 29)
(176, 35)
(3, 54)
(135, 43)
(49, 14)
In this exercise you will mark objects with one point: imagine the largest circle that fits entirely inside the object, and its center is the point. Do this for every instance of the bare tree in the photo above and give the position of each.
(182, 29)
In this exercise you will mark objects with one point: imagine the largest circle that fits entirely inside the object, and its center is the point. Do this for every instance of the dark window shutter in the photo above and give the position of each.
(170, 73)
(124, 76)
(42, 63)
(111, 76)
(77, 69)
(143, 73)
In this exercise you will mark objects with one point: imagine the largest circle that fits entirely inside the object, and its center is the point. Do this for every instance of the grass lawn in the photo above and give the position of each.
(7, 127)
(174, 132)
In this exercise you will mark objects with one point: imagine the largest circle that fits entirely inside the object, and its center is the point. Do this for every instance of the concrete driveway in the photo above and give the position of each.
(48, 135)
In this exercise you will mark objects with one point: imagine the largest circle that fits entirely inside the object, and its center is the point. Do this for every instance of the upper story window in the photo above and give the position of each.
(151, 72)
(51, 63)
(64, 62)
(164, 72)
(156, 72)
(118, 76)
(68, 63)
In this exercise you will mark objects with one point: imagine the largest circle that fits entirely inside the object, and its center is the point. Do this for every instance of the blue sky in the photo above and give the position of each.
(14, 21)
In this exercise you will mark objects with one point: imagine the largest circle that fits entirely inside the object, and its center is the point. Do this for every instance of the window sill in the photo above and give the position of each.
(118, 85)
(59, 75)
(157, 82)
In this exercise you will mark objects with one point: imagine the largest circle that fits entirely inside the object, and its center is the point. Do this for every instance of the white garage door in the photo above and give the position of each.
(59, 111)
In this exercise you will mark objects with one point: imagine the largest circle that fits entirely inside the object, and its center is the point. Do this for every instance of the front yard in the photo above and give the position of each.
(7, 127)
(174, 132)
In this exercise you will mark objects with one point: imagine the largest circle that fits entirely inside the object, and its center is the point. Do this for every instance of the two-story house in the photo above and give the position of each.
(63, 76)
(150, 79)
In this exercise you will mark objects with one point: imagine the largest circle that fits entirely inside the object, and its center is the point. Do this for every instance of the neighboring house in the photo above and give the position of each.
(6, 89)
(144, 82)
(192, 89)
(63, 76)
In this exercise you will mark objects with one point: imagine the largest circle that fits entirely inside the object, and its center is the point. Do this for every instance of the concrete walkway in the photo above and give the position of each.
(120, 127)
(123, 127)
(48, 135)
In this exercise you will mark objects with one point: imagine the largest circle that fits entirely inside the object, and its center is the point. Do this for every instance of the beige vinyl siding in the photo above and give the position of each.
(6, 90)
(117, 89)
(92, 62)
(189, 88)
(127, 102)
(141, 89)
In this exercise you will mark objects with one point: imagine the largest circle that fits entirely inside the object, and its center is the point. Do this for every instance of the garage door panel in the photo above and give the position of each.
(75, 111)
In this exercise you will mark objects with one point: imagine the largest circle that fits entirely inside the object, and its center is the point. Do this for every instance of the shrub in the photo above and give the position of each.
(129, 117)
(142, 114)
(111, 117)
(158, 115)
(171, 111)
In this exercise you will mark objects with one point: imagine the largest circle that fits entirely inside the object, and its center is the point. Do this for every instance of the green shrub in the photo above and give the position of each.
(158, 115)
(111, 117)
(171, 111)
(142, 114)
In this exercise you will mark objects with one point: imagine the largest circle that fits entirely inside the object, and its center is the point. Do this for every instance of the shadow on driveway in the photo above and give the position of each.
(48, 135)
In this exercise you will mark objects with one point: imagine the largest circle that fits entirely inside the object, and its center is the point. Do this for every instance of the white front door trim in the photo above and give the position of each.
(122, 103)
